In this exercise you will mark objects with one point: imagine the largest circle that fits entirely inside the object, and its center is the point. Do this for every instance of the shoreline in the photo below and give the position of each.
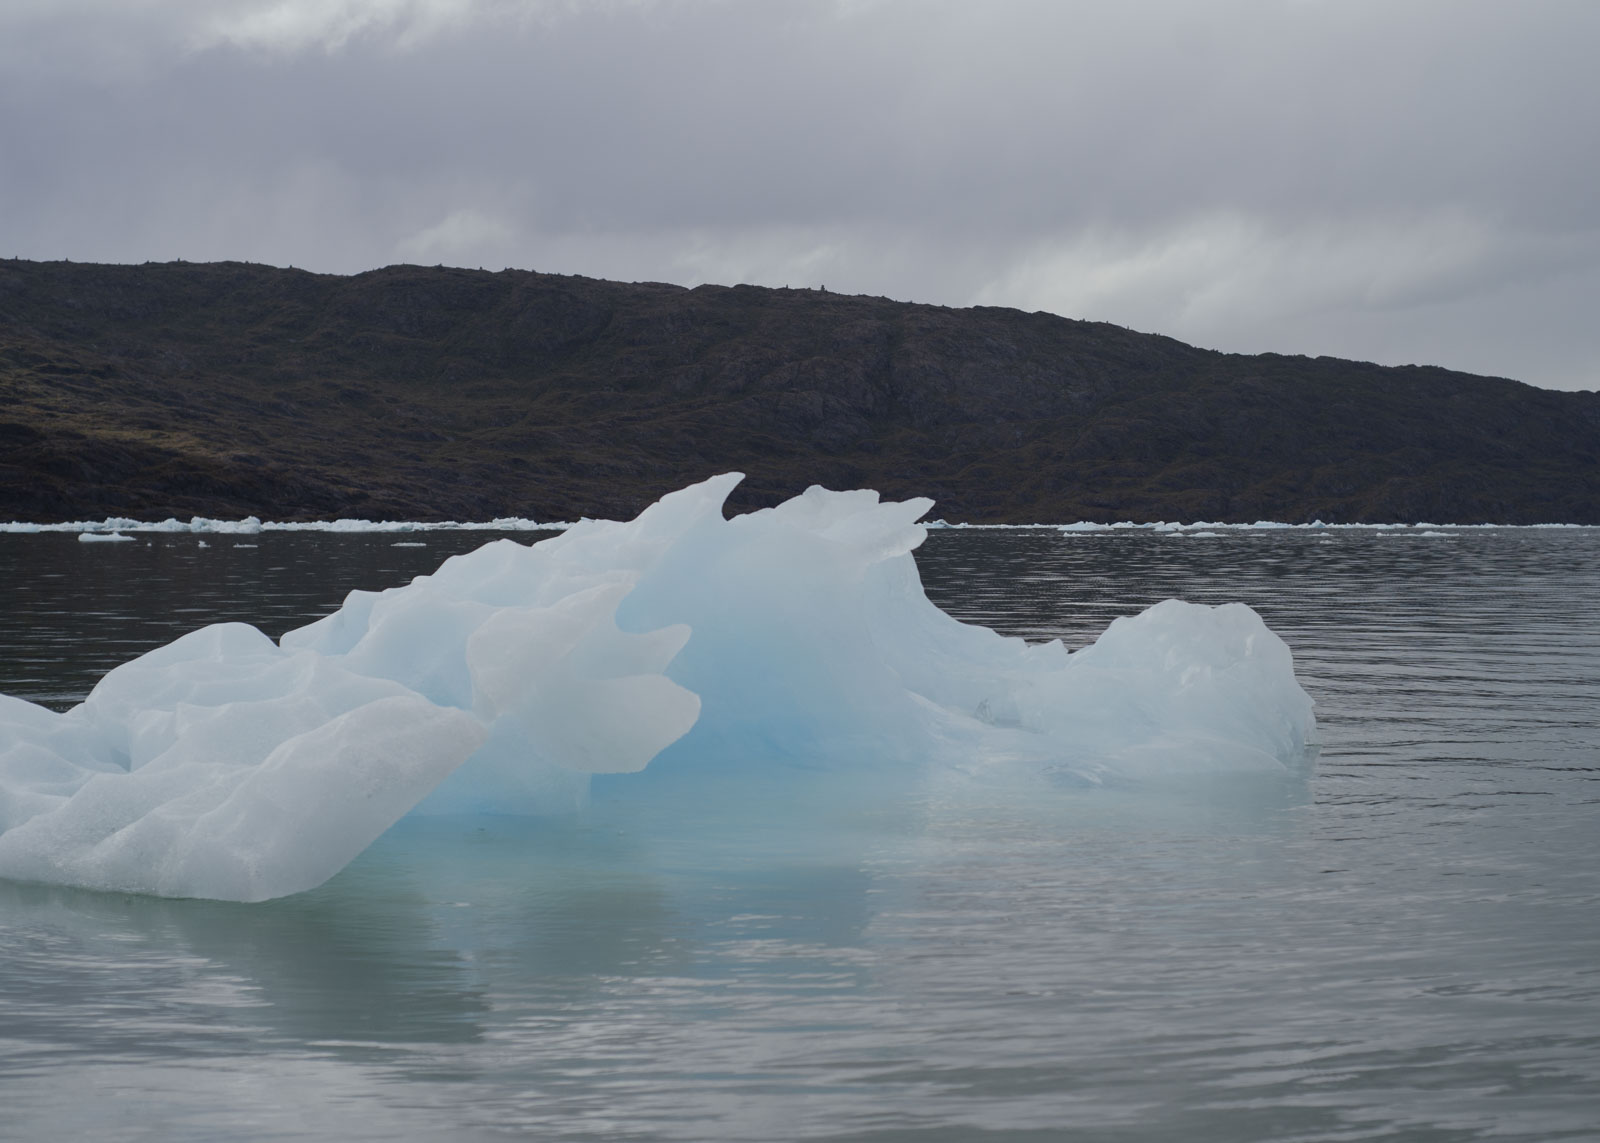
(251, 525)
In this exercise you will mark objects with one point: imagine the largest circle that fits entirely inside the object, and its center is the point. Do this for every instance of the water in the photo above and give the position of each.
(1404, 944)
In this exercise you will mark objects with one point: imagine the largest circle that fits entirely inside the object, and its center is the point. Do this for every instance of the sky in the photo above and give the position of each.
(1404, 181)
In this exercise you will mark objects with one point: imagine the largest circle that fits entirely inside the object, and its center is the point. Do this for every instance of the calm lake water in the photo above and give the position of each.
(1403, 944)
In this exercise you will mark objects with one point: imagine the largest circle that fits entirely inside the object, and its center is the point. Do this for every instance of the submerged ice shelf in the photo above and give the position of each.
(794, 639)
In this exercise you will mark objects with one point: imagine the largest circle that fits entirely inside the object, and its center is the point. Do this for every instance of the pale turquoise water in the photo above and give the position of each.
(1402, 944)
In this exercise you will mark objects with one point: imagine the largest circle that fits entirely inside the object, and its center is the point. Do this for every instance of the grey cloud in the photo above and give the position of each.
(1396, 181)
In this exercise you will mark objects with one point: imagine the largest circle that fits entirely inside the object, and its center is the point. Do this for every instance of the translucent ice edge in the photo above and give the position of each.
(722, 653)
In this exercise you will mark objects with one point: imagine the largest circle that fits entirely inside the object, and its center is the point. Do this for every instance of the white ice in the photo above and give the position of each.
(224, 765)
(252, 525)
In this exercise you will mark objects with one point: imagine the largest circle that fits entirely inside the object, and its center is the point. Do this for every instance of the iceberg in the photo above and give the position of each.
(690, 646)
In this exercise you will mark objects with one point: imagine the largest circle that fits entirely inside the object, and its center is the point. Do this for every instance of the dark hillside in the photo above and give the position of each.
(229, 389)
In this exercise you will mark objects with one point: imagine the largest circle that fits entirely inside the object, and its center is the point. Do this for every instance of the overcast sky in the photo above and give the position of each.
(1398, 181)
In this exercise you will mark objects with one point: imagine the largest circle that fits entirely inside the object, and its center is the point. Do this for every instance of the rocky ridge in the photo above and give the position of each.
(229, 389)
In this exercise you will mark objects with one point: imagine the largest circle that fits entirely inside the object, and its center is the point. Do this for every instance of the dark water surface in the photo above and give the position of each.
(1404, 945)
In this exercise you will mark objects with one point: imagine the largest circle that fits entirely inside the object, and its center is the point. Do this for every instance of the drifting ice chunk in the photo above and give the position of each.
(1206, 688)
(224, 765)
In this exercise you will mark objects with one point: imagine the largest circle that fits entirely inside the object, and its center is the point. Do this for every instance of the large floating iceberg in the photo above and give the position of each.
(796, 639)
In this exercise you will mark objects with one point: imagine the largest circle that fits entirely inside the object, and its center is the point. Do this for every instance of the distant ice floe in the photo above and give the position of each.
(114, 527)
(103, 537)
(791, 641)
(1217, 528)
(251, 525)
(1089, 527)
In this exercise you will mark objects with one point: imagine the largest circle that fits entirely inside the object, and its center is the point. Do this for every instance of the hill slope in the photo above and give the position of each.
(227, 389)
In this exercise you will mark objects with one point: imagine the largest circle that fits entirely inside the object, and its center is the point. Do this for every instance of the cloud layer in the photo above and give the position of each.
(1402, 183)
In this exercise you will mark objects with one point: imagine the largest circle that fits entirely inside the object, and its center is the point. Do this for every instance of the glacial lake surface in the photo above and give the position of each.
(1400, 942)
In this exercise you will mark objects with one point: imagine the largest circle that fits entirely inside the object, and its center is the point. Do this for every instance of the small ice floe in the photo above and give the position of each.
(103, 538)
